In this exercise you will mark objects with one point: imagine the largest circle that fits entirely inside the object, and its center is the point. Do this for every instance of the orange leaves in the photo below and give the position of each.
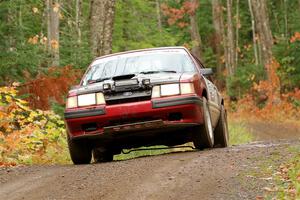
(33, 40)
(54, 44)
(38, 39)
(56, 7)
(289, 176)
(190, 7)
(52, 86)
(295, 37)
(176, 15)
(264, 100)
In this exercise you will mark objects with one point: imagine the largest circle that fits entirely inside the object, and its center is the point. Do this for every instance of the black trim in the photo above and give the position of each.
(161, 103)
(84, 113)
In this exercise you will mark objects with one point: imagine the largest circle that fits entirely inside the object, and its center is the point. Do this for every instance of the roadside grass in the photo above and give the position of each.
(142, 153)
(277, 174)
(239, 133)
(151, 151)
(287, 177)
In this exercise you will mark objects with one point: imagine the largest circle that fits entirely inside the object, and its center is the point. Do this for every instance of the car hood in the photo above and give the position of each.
(155, 79)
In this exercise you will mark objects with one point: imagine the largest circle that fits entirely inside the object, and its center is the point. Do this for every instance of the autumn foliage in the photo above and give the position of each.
(264, 100)
(176, 15)
(295, 37)
(50, 86)
(29, 136)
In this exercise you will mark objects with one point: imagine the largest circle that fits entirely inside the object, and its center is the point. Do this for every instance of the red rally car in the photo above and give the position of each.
(158, 96)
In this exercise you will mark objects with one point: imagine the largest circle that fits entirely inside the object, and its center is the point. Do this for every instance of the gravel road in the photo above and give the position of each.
(209, 174)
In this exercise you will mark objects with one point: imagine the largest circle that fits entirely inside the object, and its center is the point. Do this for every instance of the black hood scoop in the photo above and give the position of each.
(123, 77)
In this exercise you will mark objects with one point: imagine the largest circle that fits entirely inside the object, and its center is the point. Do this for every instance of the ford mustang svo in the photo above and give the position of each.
(158, 96)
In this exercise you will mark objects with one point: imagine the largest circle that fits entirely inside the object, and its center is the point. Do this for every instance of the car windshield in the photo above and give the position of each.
(144, 62)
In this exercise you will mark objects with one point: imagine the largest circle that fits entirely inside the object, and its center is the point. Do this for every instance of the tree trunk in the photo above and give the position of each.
(230, 41)
(101, 26)
(260, 12)
(220, 40)
(195, 35)
(263, 30)
(78, 20)
(237, 28)
(286, 21)
(158, 14)
(53, 9)
(255, 49)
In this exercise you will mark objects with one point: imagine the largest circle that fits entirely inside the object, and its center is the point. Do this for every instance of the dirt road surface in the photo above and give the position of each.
(210, 174)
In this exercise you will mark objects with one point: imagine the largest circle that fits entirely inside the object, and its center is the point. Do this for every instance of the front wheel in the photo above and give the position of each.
(221, 130)
(80, 151)
(203, 136)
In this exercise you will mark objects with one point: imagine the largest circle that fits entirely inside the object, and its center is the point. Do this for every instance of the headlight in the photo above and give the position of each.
(187, 88)
(71, 102)
(156, 91)
(169, 89)
(172, 89)
(85, 100)
(100, 98)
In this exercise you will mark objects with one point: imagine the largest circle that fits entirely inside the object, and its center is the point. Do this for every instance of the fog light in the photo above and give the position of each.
(106, 86)
(146, 81)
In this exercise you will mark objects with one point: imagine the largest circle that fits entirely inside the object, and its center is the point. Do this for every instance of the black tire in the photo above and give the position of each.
(203, 135)
(80, 151)
(221, 130)
(102, 155)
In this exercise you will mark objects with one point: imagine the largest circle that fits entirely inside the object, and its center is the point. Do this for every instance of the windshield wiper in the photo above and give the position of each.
(156, 72)
(98, 80)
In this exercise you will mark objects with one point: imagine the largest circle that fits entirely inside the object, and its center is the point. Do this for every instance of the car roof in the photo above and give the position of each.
(141, 50)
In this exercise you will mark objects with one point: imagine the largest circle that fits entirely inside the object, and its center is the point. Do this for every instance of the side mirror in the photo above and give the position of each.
(206, 71)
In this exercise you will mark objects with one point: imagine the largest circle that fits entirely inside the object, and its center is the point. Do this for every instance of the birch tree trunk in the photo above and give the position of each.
(195, 34)
(53, 9)
(230, 41)
(101, 26)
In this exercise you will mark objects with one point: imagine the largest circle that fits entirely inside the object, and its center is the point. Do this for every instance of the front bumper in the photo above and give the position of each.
(137, 116)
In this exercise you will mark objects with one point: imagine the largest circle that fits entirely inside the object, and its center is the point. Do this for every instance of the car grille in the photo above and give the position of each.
(127, 100)
(127, 97)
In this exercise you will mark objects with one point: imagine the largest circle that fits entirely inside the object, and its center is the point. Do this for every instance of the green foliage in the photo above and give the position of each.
(136, 27)
(243, 79)
(288, 55)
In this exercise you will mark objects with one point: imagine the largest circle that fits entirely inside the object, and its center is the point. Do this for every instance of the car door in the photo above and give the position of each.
(213, 95)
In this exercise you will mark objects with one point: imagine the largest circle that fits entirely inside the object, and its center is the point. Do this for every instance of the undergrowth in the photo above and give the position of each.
(29, 136)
